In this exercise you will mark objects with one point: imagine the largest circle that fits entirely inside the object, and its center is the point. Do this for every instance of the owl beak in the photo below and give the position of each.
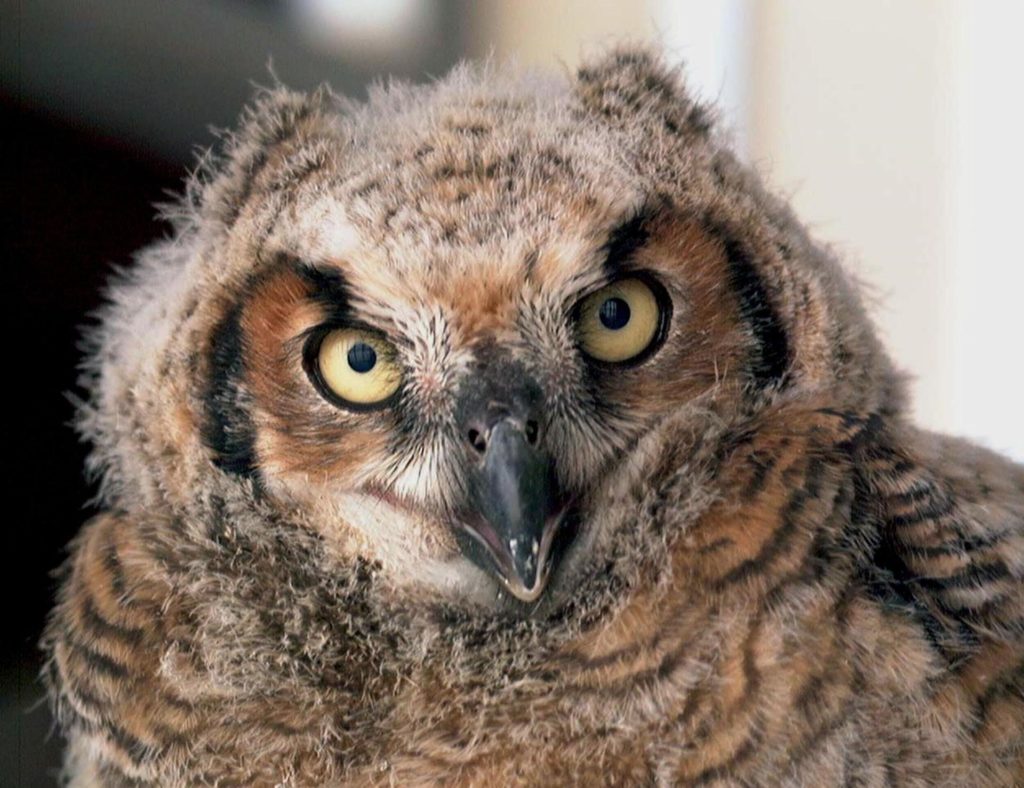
(516, 510)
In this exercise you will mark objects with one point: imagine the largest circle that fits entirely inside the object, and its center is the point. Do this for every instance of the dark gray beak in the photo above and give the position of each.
(514, 505)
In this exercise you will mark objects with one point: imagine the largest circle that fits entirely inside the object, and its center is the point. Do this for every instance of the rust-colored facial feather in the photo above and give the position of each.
(298, 433)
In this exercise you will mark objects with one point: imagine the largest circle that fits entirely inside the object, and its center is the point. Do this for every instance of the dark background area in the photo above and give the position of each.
(74, 203)
(103, 107)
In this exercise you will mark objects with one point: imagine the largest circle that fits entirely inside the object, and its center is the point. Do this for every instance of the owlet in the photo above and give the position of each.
(508, 431)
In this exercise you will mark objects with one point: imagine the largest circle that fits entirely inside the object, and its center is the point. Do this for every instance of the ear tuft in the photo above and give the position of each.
(277, 119)
(632, 83)
(277, 113)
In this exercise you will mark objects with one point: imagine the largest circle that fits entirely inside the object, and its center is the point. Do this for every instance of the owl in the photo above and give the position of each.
(507, 431)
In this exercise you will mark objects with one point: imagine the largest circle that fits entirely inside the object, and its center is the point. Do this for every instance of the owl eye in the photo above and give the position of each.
(621, 321)
(357, 366)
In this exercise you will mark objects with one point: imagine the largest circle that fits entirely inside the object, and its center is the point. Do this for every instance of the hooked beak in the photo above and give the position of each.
(515, 509)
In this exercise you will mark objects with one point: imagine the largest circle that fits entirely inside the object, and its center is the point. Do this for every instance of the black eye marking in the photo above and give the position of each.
(614, 314)
(632, 234)
(362, 357)
(228, 428)
(773, 354)
(330, 289)
(624, 241)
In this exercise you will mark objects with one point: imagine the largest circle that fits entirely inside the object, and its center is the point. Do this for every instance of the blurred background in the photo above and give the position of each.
(890, 124)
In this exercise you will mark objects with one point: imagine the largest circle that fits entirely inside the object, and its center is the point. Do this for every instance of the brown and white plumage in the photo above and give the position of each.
(761, 573)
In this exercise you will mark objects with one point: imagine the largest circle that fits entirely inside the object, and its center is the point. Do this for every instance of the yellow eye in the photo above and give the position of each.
(358, 366)
(620, 321)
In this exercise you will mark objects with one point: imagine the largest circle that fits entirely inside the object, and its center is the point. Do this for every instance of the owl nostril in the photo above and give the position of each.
(477, 440)
(478, 437)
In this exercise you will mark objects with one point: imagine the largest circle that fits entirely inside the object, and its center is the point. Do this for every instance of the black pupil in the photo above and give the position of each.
(614, 313)
(361, 357)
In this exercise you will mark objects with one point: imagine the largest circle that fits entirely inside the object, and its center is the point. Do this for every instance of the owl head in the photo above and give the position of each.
(450, 330)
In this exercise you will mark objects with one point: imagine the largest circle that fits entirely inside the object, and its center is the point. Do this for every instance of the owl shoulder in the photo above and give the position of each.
(111, 643)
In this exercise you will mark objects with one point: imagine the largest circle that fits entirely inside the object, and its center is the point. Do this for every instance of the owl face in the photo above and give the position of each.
(471, 407)
(442, 329)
